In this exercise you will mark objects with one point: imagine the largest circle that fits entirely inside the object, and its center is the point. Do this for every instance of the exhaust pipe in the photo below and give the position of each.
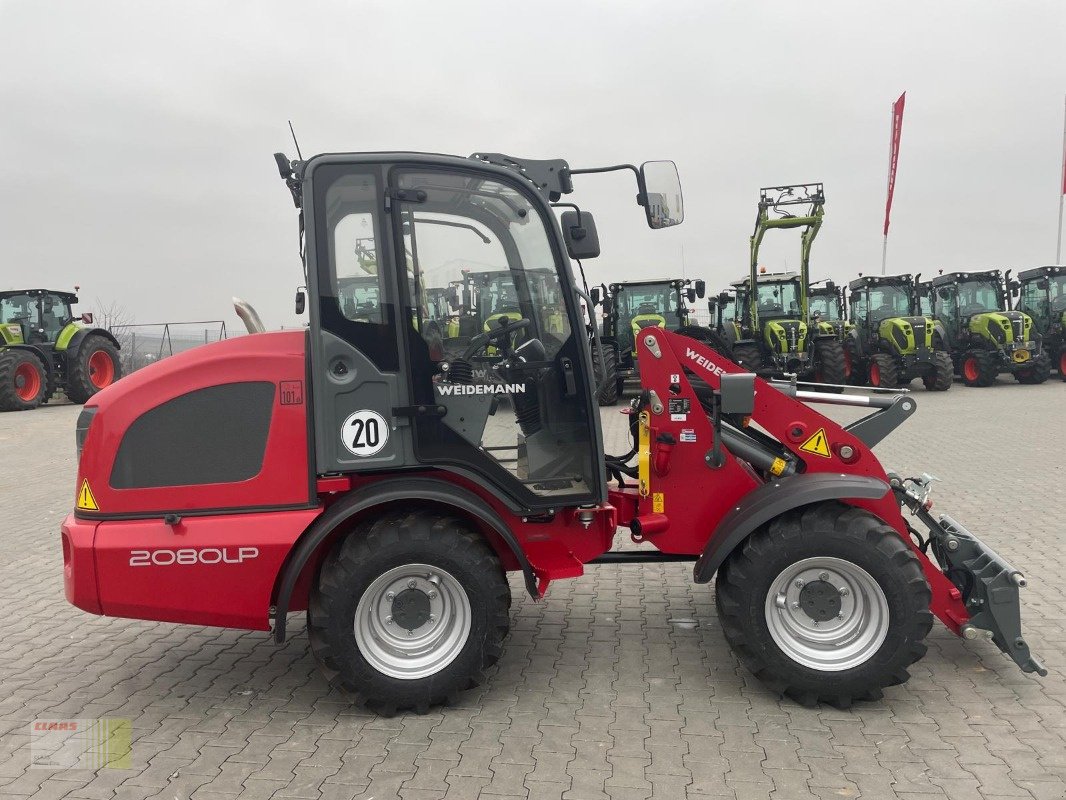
(248, 316)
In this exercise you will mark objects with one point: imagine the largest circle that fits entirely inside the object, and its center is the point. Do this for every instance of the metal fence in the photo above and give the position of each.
(145, 343)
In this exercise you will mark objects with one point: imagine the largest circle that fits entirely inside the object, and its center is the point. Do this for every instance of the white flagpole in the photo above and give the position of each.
(1062, 189)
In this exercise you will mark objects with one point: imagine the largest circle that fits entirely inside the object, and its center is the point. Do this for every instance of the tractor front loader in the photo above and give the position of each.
(1043, 298)
(890, 344)
(984, 336)
(355, 472)
(44, 349)
(776, 337)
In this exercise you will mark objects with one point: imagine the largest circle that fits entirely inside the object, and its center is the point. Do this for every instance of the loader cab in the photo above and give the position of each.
(511, 404)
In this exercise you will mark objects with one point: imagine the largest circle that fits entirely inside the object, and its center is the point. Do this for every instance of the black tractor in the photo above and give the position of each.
(1041, 294)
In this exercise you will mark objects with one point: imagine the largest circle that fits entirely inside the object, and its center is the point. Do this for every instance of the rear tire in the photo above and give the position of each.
(884, 372)
(709, 337)
(791, 636)
(747, 356)
(363, 600)
(943, 374)
(1039, 372)
(23, 381)
(830, 365)
(95, 366)
(978, 368)
(608, 394)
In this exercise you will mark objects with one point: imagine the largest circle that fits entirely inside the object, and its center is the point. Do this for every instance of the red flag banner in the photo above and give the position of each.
(893, 158)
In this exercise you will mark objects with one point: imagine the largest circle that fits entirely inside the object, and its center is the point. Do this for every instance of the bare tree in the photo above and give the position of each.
(116, 318)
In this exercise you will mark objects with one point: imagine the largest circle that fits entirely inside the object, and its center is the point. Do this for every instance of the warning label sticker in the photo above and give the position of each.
(817, 444)
(86, 501)
(658, 502)
(688, 434)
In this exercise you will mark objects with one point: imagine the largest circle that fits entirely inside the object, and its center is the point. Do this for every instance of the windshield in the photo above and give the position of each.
(925, 303)
(18, 308)
(824, 305)
(656, 299)
(889, 301)
(977, 297)
(779, 299)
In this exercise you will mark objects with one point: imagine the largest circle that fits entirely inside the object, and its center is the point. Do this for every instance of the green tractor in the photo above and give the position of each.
(982, 334)
(724, 310)
(889, 344)
(630, 306)
(828, 309)
(774, 337)
(44, 350)
(1043, 297)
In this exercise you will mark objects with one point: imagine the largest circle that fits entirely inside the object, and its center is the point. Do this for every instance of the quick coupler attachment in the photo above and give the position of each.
(989, 586)
(989, 583)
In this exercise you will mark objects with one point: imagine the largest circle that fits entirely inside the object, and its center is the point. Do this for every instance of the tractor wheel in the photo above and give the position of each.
(747, 356)
(826, 603)
(830, 363)
(943, 374)
(1039, 372)
(1062, 364)
(854, 365)
(608, 395)
(884, 373)
(23, 381)
(978, 368)
(95, 366)
(408, 610)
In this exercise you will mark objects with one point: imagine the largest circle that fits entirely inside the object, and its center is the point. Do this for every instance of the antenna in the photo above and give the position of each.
(299, 155)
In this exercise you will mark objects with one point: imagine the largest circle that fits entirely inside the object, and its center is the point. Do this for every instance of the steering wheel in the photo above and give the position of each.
(502, 334)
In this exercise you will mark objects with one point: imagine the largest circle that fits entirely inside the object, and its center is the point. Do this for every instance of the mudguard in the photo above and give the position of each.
(773, 499)
(376, 494)
(75, 341)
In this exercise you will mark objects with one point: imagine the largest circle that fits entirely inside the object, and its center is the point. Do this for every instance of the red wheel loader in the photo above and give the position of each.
(384, 478)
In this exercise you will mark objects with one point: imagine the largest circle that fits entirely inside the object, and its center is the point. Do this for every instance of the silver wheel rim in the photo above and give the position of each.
(797, 623)
(426, 648)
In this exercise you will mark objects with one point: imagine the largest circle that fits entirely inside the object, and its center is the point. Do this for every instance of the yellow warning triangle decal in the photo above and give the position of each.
(817, 444)
(86, 501)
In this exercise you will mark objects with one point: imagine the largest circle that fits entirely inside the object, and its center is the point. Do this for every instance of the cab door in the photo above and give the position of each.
(512, 405)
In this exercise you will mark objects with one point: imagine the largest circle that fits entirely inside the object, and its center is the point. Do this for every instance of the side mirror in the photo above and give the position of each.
(738, 393)
(301, 301)
(87, 318)
(723, 298)
(661, 197)
(830, 286)
(701, 288)
(594, 294)
(579, 233)
(943, 294)
(690, 293)
(1043, 284)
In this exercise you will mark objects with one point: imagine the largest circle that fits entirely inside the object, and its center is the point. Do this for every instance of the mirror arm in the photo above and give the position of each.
(642, 192)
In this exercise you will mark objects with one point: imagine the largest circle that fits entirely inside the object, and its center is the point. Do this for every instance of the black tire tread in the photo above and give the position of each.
(829, 361)
(735, 591)
(608, 394)
(9, 362)
(79, 387)
(943, 374)
(1038, 373)
(986, 368)
(888, 370)
(343, 568)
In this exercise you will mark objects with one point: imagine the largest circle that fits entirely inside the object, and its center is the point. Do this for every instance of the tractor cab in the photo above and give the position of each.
(827, 308)
(723, 308)
(35, 316)
(1041, 294)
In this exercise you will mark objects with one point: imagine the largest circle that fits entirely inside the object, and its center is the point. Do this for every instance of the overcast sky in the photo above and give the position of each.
(136, 137)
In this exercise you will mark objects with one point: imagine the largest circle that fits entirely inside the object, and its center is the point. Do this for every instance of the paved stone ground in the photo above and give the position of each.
(617, 685)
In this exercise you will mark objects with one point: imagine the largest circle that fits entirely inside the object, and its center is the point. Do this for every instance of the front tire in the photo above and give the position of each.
(1039, 372)
(408, 610)
(884, 373)
(978, 368)
(826, 603)
(23, 381)
(748, 356)
(95, 366)
(608, 394)
(830, 363)
(943, 374)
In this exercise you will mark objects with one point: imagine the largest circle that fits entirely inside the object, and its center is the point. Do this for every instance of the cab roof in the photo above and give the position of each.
(70, 297)
(769, 277)
(1041, 272)
(955, 277)
(888, 280)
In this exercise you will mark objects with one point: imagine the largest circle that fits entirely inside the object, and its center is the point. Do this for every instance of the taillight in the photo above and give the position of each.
(85, 420)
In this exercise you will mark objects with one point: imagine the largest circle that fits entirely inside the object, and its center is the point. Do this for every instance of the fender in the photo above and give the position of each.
(387, 491)
(75, 341)
(773, 499)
